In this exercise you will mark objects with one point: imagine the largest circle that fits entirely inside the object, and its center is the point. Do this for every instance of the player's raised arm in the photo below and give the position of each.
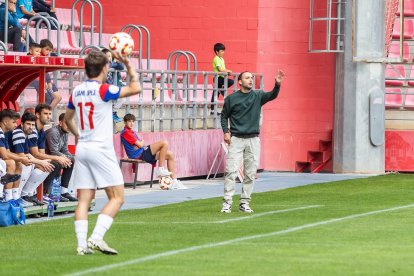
(133, 87)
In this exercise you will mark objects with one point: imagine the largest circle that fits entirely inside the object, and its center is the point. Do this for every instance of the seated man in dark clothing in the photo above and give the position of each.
(57, 144)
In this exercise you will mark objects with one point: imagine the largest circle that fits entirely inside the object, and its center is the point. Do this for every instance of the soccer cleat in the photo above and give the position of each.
(226, 207)
(102, 246)
(25, 203)
(84, 251)
(244, 207)
(35, 201)
(163, 172)
(177, 185)
(68, 196)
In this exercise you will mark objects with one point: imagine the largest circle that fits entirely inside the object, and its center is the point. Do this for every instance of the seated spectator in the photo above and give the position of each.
(34, 50)
(57, 144)
(8, 119)
(41, 6)
(35, 173)
(52, 94)
(15, 32)
(37, 146)
(136, 149)
(25, 10)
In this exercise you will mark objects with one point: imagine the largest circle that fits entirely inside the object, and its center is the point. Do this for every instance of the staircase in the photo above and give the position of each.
(317, 160)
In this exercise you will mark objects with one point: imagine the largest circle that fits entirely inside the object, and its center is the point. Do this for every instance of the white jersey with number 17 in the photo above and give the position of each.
(92, 102)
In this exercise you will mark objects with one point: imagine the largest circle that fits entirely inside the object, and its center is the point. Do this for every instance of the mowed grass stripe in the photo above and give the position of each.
(227, 220)
(241, 239)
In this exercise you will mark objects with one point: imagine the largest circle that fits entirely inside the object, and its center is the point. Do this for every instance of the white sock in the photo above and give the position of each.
(36, 178)
(15, 193)
(63, 190)
(1, 190)
(81, 230)
(9, 194)
(103, 223)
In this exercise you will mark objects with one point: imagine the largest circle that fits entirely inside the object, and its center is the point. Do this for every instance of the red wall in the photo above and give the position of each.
(260, 36)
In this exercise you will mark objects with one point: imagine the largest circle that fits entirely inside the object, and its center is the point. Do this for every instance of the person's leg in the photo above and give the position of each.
(15, 36)
(56, 98)
(81, 220)
(230, 83)
(160, 149)
(106, 217)
(48, 181)
(250, 160)
(220, 83)
(171, 163)
(234, 159)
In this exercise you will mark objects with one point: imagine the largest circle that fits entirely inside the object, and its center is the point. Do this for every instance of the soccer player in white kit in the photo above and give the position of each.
(96, 164)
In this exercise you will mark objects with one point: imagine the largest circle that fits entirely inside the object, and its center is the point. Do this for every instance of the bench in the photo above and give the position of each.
(136, 163)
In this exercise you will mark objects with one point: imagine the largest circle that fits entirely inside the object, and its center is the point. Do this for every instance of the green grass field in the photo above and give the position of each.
(193, 238)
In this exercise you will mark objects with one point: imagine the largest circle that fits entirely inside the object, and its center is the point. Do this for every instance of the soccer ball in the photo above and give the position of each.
(165, 182)
(122, 43)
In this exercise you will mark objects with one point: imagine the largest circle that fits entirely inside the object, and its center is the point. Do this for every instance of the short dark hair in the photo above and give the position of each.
(28, 117)
(46, 43)
(61, 117)
(129, 117)
(34, 45)
(9, 113)
(105, 50)
(94, 63)
(241, 75)
(42, 106)
(218, 47)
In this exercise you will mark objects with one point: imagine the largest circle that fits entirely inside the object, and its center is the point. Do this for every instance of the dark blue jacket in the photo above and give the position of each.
(13, 19)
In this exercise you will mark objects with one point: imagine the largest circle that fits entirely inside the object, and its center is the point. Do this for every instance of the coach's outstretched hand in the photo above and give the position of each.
(280, 76)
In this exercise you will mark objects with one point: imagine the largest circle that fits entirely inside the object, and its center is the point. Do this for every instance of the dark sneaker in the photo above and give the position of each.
(7, 178)
(244, 207)
(69, 197)
(34, 200)
(63, 199)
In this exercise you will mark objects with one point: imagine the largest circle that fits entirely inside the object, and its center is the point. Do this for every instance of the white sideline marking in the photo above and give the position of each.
(227, 220)
(210, 245)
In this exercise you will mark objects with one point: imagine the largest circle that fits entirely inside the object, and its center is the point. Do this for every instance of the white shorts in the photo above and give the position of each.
(96, 168)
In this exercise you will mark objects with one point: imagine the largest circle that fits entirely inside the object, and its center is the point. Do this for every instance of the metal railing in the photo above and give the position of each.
(46, 19)
(91, 4)
(332, 6)
(129, 28)
(165, 106)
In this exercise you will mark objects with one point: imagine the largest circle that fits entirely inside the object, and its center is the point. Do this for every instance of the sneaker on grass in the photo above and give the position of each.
(102, 246)
(226, 207)
(84, 251)
(245, 207)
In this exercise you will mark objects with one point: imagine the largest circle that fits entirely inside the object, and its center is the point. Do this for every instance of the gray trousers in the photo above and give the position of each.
(248, 151)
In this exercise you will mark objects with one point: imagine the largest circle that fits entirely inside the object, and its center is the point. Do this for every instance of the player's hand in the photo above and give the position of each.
(64, 161)
(227, 138)
(124, 59)
(279, 76)
(26, 161)
(46, 165)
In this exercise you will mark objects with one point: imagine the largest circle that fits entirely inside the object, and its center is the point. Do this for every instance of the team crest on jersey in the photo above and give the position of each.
(113, 89)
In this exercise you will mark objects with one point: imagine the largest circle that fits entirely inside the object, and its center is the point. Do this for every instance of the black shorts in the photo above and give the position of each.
(147, 156)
